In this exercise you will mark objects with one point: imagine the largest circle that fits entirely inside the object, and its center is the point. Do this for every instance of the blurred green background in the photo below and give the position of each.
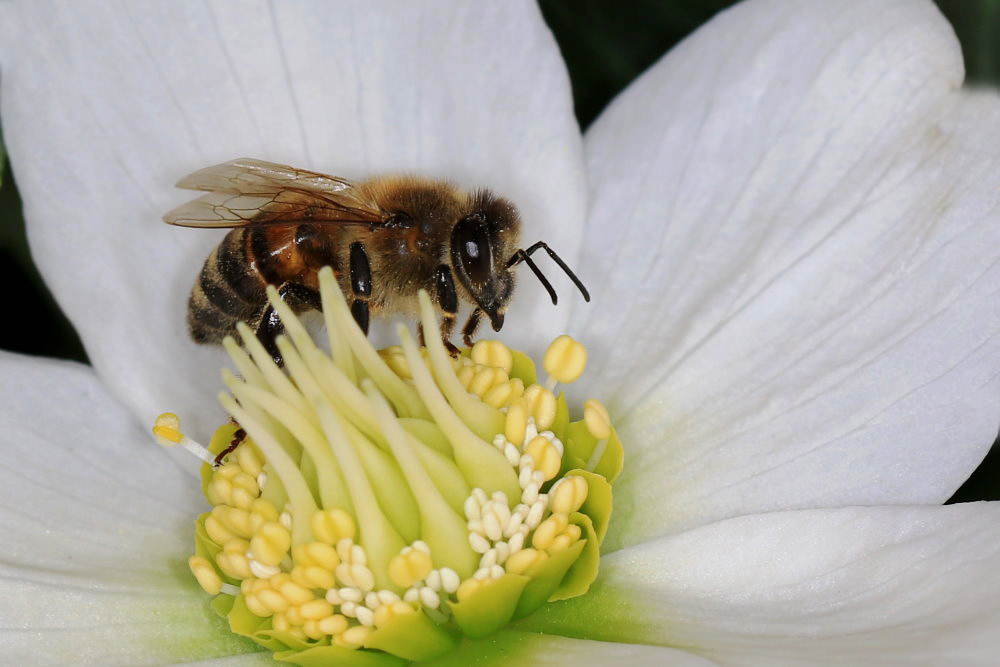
(606, 44)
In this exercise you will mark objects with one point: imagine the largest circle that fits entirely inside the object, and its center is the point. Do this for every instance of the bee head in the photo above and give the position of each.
(481, 241)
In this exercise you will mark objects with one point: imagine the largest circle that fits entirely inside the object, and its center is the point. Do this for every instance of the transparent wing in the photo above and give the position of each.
(248, 191)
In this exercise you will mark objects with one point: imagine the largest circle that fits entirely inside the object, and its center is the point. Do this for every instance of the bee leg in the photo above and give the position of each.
(469, 330)
(448, 300)
(361, 284)
(300, 299)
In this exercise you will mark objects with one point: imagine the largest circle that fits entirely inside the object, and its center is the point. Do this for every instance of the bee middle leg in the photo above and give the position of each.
(448, 300)
(300, 299)
(361, 285)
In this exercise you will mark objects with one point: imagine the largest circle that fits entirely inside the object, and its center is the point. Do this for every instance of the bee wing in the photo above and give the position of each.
(248, 191)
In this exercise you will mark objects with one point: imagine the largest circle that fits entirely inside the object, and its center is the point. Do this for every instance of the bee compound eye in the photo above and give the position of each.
(471, 243)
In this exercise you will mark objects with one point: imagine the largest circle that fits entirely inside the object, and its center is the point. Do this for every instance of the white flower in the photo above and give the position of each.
(791, 236)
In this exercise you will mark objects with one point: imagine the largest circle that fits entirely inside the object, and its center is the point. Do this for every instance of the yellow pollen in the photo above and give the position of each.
(548, 530)
(387, 612)
(502, 395)
(206, 575)
(545, 455)
(523, 560)
(271, 543)
(596, 417)
(541, 404)
(353, 637)
(395, 500)
(332, 525)
(565, 359)
(516, 422)
(333, 625)
(493, 353)
(568, 495)
(168, 427)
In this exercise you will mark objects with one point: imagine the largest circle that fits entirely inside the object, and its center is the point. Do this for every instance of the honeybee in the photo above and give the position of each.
(385, 238)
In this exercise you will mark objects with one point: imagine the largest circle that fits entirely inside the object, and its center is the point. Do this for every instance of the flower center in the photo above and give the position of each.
(390, 502)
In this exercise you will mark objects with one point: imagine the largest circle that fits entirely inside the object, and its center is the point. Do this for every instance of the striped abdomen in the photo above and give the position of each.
(232, 284)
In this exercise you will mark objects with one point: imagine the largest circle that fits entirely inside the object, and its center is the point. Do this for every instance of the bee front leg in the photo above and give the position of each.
(361, 284)
(469, 330)
(300, 299)
(448, 300)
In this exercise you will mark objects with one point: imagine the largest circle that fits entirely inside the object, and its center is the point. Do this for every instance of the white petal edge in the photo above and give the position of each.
(797, 218)
(105, 108)
(508, 647)
(97, 526)
(876, 585)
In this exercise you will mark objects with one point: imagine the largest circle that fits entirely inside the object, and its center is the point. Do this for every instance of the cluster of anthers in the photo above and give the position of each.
(391, 502)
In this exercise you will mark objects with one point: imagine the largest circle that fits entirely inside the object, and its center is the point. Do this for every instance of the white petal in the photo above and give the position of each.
(797, 218)
(906, 585)
(97, 528)
(105, 106)
(508, 647)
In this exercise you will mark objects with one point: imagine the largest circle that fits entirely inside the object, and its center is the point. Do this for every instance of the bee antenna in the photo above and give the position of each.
(521, 255)
(525, 256)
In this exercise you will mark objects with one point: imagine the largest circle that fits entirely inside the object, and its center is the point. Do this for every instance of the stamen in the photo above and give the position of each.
(380, 500)
(167, 433)
(564, 361)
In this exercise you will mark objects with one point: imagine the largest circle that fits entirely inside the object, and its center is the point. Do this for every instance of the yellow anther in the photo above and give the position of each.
(255, 606)
(395, 359)
(240, 497)
(318, 577)
(232, 559)
(220, 491)
(516, 423)
(470, 587)
(353, 637)
(332, 525)
(242, 480)
(206, 575)
(565, 359)
(270, 544)
(409, 567)
(523, 560)
(228, 470)
(545, 455)
(493, 353)
(568, 495)
(465, 373)
(387, 612)
(596, 417)
(317, 554)
(272, 600)
(504, 394)
(294, 593)
(280, 623)
(167, 429)
(316, 609)
(333, 625)
(311, 628)
(541, 405)
(233, 518)
(294, 617)
(485, 378)
(249, 459)
(261, 511)
(217, 530)
(565, 539)
(548, 530)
